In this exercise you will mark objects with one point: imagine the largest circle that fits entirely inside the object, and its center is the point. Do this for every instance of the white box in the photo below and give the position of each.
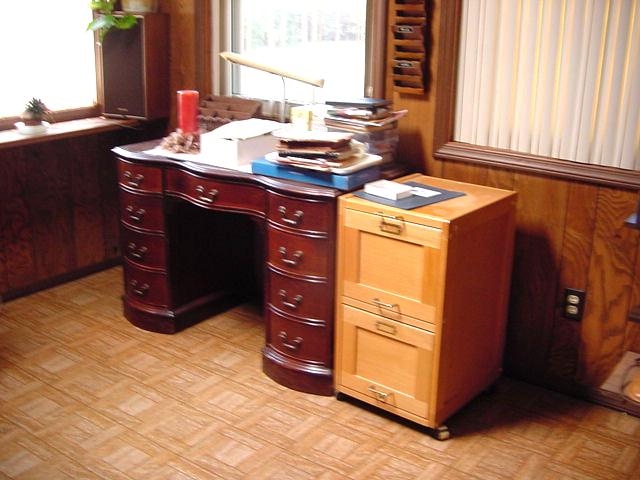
(388, 189)
(231, 153)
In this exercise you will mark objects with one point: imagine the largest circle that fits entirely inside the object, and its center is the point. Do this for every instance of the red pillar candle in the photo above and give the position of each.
(188, 101)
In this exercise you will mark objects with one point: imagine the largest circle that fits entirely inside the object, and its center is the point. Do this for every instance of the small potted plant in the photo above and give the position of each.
(105, 19)
(35, 112)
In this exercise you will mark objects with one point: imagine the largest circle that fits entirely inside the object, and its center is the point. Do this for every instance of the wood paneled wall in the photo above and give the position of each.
(59, 208)
(569, 234)
(188, 48)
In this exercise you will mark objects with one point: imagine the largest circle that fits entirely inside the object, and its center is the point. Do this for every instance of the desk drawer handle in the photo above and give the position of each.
(295, 259)
(137, 252)
(395, 228)
(296, 218)
(297, 300)
(292, 345)
(133, 180)
(380, 395)
(205, 196)
(136, 215)
(139, 289)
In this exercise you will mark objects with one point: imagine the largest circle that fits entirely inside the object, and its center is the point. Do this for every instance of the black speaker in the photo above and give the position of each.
(133, 70)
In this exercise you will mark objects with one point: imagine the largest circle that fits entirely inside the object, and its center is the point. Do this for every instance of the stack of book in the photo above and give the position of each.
(372, 121)
(331, 159)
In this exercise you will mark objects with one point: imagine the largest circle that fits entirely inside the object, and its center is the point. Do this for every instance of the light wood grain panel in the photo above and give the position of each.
(611, 273)
(564, 352)
(501, 178)
(540, 220)
(464, 172)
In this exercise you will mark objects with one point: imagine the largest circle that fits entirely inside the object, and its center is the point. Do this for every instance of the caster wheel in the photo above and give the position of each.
(441, 433)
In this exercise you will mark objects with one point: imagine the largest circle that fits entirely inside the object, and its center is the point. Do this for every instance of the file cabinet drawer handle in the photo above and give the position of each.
(380, 395)
(386, 328)
(295, 259)
(292, 345)
(296, 217)
(386, 306)
(388, 227)
(297, 300)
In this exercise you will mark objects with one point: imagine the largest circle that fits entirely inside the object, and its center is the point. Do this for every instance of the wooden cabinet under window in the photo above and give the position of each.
(422, 300)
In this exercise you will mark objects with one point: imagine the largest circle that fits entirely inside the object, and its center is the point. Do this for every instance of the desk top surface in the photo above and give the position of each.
(136, 153)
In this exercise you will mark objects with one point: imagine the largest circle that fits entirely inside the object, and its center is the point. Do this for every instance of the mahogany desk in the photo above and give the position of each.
(197, 239)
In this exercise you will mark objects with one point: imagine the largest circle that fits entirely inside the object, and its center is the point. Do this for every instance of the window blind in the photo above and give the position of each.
(554, 78)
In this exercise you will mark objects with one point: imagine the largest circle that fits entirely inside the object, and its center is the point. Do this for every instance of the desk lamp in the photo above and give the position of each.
(247, 62)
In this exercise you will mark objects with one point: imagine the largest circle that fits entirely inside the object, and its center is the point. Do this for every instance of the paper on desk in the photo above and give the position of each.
(243, 129)
(196, 158)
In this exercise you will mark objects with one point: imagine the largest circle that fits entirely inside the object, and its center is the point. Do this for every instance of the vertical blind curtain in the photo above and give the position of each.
(554, 78)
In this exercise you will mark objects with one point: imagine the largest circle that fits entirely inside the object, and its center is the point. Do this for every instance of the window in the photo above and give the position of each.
(552, 78)
(330, 40)
(46, 53)
(449, 147)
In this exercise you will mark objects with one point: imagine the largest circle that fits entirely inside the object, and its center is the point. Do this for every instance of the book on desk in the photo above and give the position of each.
(348, 181)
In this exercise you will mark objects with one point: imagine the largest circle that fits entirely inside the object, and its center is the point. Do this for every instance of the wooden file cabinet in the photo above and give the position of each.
(422, 300)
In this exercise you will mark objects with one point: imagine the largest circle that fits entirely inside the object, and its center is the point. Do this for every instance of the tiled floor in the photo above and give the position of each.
(85, 395)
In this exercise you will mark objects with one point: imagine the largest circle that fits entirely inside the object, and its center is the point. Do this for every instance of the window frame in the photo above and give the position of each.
(445, 148)
(87, 111)
(375, 47)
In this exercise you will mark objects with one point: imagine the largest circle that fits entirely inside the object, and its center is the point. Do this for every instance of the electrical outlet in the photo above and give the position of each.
(573, 307)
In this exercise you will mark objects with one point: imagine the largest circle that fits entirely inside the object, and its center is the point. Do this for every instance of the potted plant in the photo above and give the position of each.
(34, 112)
(105, 19)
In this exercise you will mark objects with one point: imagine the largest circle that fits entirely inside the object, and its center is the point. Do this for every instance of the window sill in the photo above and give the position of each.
(60, 130)
(564, 169)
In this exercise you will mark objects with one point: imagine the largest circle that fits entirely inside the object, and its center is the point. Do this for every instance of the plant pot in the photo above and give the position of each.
(139, 6)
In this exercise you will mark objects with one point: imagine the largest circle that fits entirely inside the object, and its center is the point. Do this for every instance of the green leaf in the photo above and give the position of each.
(102, 22)
(126, 21)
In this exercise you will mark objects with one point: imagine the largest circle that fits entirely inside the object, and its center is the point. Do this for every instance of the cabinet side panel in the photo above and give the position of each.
(475, 307)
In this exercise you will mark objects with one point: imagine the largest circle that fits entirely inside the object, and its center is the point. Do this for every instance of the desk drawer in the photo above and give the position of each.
(141, 211)
(301, 298)
(306, 215)
(139, 177)
(146, 287)
(303, 341)
(214, 193)
(299, 254)
(144, 249)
